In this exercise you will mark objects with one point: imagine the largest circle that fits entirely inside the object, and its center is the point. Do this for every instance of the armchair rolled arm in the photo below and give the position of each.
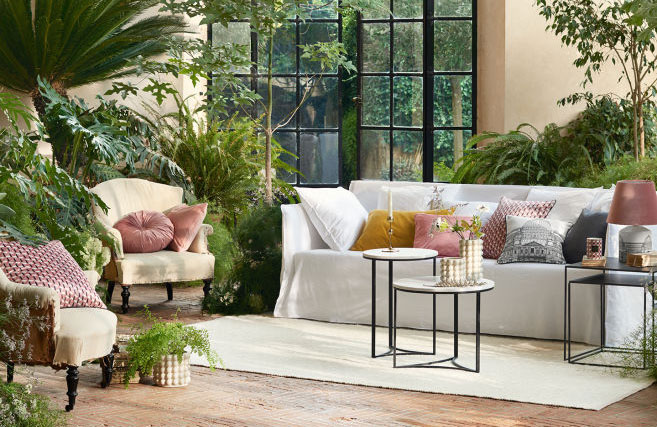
(115, 236)
(43, 304)
(200, 243)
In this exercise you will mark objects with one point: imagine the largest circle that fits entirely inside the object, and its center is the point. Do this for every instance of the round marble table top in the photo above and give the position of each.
(428, 284)
(400, 254)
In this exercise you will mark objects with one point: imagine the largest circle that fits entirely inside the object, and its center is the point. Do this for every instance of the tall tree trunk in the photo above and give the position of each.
(269, 193)
(40, 103)
(642, 133)
(635, 126)
(457, 113)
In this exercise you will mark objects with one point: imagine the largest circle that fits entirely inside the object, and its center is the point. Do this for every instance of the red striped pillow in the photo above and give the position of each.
(49, 266)
(495, 229)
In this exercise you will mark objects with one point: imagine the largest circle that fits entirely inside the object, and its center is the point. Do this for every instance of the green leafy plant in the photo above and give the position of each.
(644, 339)
(524, 156)
(20, 407)
(221, 244)
(71, 43)
(603, 33)
(149, 344)
(624, 168)
(254, 282)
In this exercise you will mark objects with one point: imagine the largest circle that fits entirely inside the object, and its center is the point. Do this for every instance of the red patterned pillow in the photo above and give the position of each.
(495, 229)
(49, 266)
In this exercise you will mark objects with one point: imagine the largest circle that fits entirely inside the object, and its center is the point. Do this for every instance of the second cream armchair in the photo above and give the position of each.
(126, 195)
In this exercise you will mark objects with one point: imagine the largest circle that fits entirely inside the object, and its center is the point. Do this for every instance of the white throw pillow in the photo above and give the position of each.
(569, 203)
(464, 208)
(406, 197)
(537, 240)
(602, 200)
(336, 213)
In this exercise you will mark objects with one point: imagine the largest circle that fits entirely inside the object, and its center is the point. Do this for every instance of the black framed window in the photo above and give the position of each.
(314, 133)
(417, 86)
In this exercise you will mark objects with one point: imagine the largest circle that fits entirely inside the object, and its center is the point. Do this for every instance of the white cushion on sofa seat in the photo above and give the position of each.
(164, 266)
(84, 334)
(527, 300)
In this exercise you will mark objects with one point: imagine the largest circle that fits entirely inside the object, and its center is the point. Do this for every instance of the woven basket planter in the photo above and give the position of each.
(172, 373)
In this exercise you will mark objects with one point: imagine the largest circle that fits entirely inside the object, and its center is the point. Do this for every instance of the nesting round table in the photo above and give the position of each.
(399, 254)
(427, 285)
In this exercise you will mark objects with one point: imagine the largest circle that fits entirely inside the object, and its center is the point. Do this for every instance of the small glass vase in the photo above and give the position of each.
(472, 252)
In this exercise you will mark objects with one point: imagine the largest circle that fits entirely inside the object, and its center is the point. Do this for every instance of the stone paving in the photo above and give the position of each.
(247, 399)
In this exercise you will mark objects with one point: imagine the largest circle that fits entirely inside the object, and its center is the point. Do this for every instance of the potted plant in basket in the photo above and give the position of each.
(164, 350)
(470, 243)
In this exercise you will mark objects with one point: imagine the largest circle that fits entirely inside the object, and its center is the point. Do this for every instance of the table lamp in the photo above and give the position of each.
(635, 205)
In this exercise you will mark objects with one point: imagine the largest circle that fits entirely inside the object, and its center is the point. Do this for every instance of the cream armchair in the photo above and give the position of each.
(126, 195)
(70, 337)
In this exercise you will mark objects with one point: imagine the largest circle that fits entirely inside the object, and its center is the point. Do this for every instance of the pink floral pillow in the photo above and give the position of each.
(495, 229)
(446, 243)
(49, 266)
(186, 221)
(145, 231)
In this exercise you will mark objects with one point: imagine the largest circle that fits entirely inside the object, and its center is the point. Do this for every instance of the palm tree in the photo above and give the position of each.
(71, 43)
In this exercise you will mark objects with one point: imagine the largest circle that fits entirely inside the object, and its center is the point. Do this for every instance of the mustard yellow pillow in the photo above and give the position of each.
(375, 232)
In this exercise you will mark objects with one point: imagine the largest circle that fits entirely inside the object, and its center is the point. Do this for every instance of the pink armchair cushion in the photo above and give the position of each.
(446, 243)
(186, 221)
(145, 231)
(49, 266)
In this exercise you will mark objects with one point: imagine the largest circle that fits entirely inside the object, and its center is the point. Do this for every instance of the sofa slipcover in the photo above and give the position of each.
(164, 266)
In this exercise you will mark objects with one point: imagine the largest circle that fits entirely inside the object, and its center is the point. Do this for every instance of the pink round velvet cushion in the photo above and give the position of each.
(145, 231)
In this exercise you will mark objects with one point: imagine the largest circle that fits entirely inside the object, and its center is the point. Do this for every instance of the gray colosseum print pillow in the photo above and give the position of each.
(534, 240)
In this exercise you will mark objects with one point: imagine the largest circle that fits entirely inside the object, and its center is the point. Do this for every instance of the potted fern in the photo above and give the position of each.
(164, 350)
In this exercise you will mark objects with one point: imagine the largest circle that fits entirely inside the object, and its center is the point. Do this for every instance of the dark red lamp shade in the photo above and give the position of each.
(634, 203)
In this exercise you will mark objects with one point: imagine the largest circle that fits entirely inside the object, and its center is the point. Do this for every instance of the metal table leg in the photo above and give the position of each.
(373, 308)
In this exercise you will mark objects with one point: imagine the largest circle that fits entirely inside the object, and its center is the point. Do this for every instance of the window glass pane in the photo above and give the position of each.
(375, 154)
(382, 12)
(408, 46)
(284, 94)
(321, 108)
(236, 33)
(376, 47)
(287, 140)
(376, 101)
(453, 8)
(319, 9)
(445, 144)
(311, 33)
(318, 160)
(452, 101)
(407, 156)
(284, 51)
(453, 45)
(408, 101)
(408, 9)
(228, 95)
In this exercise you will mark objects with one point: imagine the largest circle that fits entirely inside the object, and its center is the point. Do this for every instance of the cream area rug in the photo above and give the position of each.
(511, 369)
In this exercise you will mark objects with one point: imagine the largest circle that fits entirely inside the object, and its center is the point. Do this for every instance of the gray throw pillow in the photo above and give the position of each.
(589, 224)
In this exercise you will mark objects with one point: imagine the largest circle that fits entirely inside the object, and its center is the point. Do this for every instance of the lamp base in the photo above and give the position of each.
(633, 239)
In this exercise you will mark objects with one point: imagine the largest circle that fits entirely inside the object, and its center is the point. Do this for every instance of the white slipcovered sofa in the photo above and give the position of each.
(528, 300)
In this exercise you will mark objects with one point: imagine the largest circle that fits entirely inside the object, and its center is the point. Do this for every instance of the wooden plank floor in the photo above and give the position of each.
(238, 398)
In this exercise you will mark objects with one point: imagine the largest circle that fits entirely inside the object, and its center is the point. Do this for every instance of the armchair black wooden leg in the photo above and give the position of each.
(169, 291)
(108, 369)
(126, 298)
(72, 384)
(10, 372)
(110, 291)
(207, 287)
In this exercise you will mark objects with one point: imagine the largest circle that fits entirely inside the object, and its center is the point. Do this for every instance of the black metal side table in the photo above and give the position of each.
(613, 273)
(427, 285)
(401, 254)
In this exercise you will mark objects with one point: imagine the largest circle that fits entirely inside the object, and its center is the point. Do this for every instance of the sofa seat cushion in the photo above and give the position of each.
(164, 266)
(84, 334)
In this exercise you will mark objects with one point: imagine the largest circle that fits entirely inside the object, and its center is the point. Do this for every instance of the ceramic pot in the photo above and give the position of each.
(172, 373)
(452, 270)
(472, 252)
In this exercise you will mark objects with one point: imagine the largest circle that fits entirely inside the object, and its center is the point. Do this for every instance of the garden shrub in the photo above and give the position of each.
(20, 407)
(220, 244)
(254, 282)
(624, 168)
(22, 219)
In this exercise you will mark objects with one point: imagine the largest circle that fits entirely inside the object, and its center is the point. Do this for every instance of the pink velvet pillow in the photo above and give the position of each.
(49, 266)
(446, 243)
(145, 231)
(186, 221)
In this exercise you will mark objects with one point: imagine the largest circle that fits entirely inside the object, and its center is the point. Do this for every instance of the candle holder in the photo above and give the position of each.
(390, 248)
